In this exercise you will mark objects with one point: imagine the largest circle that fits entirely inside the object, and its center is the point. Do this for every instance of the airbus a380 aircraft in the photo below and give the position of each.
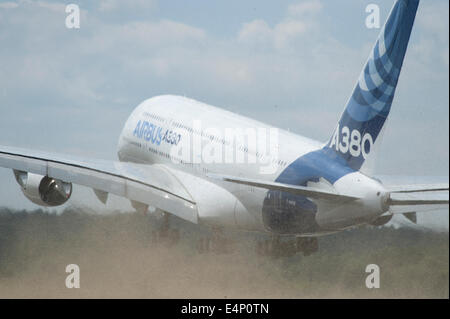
(298, 187)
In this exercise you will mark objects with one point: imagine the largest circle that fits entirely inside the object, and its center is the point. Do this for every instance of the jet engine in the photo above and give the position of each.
(43, 190)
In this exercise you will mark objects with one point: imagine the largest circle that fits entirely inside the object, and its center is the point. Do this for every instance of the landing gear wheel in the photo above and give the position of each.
(276, 248)
(307, 245)
(217, 243)
(265, 247)
(203, 245)
(174, 236)
(165, 234)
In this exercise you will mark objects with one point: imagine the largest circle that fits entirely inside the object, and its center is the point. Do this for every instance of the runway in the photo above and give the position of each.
(117, 259)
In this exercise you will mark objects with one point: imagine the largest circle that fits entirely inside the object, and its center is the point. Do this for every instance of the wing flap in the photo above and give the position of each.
(411, 216)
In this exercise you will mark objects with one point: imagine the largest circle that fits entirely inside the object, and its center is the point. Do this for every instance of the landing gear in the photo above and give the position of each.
(217, 243)
(140, 207)
(307, 245)
(275, 247)
(165, 234)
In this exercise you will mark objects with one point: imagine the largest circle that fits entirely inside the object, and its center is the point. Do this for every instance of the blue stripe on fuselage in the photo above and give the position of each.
(314, 165)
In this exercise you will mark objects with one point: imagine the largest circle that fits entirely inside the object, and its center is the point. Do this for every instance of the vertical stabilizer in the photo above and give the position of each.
(368, 107)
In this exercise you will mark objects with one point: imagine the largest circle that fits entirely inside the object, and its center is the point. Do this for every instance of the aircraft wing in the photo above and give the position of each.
(149, 184)
(293, 189)
(396, 199)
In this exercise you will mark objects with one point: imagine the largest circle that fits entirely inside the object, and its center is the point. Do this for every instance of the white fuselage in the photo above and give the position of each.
(201, 140)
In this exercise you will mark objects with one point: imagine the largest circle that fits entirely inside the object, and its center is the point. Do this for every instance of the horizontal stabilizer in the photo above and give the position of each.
(408, 202)
(418, 188)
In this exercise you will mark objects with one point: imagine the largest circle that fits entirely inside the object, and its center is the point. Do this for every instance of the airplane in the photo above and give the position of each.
(171, 157)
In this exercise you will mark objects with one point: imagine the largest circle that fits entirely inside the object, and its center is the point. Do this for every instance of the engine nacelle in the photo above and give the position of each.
(43, 190)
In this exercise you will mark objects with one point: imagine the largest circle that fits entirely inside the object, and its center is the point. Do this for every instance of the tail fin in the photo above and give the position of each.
(370, 103)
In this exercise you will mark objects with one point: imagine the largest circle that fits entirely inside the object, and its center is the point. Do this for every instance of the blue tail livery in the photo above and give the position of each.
(370, 102)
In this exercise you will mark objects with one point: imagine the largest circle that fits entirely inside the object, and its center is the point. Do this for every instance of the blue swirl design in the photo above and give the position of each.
(371, 100)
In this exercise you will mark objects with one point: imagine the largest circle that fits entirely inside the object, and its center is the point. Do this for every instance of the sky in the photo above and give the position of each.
(291, 64)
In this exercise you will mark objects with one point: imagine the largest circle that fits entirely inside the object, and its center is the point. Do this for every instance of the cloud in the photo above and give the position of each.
(305, 8)
(163, 32)
(54, 64)
(112, 5)
(108, 66)
(433, 22)
(287, 31)
(300, 19)
(56, 7)
(433, 18)
(8, 5)
(256, 32)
